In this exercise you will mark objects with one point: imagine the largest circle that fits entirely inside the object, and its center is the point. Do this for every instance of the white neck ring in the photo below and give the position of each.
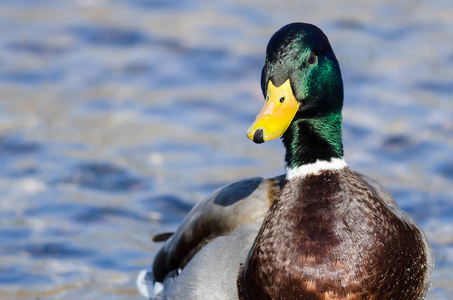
(316, 168)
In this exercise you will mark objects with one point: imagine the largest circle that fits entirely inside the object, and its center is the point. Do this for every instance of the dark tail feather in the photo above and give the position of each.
(162, 237)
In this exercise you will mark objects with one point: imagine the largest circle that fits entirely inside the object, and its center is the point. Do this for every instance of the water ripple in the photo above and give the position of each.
(103, 176)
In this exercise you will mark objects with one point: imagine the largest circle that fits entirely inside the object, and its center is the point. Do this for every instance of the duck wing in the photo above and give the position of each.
(242, 202)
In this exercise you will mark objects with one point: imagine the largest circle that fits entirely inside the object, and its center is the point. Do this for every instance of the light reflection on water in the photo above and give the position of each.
(116, 117)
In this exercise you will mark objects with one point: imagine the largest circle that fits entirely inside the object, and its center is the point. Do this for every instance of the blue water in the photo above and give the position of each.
(117, 116)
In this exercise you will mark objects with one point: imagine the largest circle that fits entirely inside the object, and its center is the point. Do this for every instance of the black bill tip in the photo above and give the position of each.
(258, 136)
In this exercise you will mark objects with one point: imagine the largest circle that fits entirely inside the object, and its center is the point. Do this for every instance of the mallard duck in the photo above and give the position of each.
(320, 231)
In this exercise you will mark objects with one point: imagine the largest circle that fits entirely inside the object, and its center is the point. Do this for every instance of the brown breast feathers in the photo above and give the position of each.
(328, 237)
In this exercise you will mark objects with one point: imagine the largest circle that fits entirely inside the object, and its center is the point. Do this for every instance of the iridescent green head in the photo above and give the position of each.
(301, 81)
(301, 54)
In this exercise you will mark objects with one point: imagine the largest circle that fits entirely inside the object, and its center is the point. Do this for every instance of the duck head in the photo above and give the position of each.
(301, 79)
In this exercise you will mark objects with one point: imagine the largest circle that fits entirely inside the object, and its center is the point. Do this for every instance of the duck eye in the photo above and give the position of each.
(282, 99)
(312, 59)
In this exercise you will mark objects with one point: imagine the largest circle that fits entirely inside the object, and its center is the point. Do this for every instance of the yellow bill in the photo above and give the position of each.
(276, 115)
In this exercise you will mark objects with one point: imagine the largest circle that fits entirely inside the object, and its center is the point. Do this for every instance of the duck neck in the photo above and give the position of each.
(314, 140)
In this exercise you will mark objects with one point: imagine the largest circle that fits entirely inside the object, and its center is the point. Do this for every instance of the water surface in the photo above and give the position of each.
(117, 116)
